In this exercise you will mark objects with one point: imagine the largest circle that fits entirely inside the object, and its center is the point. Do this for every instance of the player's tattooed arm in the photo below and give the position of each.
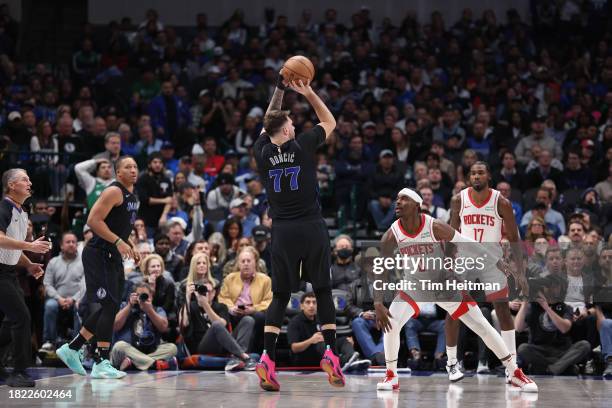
(277, 98)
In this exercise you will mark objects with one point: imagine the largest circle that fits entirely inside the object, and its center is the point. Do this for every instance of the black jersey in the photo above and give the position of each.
(289, 174)
(120, 219)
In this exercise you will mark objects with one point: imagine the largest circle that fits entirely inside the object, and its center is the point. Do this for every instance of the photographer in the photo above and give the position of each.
(138, 329)
(204, 323)
(603, 309)
(550, 349)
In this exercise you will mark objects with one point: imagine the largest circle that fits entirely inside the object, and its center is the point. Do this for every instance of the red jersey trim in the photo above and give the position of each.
(399, 224)
(411, 302)
(483, 204)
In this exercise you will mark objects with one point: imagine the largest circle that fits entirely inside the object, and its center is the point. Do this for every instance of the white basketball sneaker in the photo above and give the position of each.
(520, 380)
(453, 369)
(390, 383)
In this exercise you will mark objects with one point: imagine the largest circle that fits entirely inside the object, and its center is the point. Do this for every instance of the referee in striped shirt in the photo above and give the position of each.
(13, 227)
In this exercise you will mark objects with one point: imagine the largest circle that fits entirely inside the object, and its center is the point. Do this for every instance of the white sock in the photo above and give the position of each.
(451, 353)
(476, 322)
(401, 312)
(509, 338)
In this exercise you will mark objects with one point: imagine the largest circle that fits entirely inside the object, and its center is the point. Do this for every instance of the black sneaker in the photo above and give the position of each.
(20, 379)
(235, 364)
(608, 371)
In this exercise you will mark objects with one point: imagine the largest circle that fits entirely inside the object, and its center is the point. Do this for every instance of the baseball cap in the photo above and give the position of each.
(231, 153)
(368, 124)
(385, 153)
(203, 92)
(167, 145)
(14, 115)
(261, 233)
(236, 202)
(179, 221)
(225, 178)
(587, 143)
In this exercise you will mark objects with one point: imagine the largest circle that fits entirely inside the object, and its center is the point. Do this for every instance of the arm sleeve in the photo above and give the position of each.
(311, 139)
(83, 173)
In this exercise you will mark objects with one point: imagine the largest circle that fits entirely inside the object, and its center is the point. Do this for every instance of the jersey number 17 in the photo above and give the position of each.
(291, 172)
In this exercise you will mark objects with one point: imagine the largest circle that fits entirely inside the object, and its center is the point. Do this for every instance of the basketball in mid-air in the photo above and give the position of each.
(298, 68)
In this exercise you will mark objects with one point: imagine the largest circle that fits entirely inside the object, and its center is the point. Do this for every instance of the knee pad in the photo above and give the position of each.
(276, 310)
(326, 310)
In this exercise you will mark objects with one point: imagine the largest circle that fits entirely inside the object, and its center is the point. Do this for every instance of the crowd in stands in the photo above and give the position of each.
(416, 104)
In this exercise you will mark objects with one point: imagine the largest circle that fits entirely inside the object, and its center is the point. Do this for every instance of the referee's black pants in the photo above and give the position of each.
(16, 323)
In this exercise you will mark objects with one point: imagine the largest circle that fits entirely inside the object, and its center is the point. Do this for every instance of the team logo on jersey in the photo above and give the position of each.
(101, 293)
(69, 147)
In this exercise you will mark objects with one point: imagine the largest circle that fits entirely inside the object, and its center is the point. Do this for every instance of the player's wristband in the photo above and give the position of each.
(116, 241)
(279, 83)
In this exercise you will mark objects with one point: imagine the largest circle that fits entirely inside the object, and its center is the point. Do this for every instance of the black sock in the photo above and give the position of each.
(102, 354)
(270, 344)
(77, 342)
(329, 336)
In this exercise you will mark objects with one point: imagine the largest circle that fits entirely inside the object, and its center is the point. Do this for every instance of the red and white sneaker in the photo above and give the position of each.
(520, 380)
(330, 363)
(390, 383)
(266, 371)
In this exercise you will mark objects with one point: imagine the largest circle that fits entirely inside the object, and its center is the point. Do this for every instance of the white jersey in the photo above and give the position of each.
(480, 223)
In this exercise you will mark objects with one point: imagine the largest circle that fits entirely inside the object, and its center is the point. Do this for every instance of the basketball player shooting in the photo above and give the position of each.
(484, 215)
(287, 166)
(408, 234)
(111, 219)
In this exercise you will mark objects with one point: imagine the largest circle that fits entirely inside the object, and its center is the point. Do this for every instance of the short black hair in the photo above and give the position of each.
(482, 163)
(120, 161)
(160, 236)
(306, 296)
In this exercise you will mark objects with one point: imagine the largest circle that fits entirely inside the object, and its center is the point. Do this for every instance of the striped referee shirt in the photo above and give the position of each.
(14, 224)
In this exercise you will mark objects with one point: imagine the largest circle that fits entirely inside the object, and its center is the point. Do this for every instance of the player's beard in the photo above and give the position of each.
(478, 187)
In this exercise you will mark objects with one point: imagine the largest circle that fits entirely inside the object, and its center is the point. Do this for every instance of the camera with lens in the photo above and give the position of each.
(553, 287)
(201, 289)
(143, 297)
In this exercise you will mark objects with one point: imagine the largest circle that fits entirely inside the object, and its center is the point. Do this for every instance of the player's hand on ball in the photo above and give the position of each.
(300, 87)
(40, 246)
(382, 317)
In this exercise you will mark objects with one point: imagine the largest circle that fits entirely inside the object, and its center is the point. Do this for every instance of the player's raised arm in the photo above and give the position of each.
(326, 118)
(277, 98)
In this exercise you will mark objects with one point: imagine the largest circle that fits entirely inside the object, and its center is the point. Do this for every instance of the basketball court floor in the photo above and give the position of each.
(218, 389)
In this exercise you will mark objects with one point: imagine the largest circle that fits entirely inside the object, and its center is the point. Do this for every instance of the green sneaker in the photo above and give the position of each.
(106, 370)
(71, 358)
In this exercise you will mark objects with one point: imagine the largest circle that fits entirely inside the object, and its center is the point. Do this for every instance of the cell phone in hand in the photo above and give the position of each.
(241, 307)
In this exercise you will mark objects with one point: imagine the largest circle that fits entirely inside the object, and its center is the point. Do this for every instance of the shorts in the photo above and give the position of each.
(300, 252)
(492, 274)
(104, 277)
(454, 309)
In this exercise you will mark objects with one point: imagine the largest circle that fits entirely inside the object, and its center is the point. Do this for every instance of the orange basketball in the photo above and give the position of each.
(298, 68)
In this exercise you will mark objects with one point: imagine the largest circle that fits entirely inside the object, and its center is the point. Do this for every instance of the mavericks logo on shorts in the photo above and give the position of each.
(101, 293)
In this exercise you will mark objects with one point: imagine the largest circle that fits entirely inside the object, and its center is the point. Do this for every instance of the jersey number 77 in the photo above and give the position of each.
(291, 172)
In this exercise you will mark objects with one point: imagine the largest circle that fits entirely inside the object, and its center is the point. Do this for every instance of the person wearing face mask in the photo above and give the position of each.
(344, 270)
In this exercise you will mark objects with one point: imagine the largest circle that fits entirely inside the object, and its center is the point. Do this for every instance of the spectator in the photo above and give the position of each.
(381, 186)
(433, 210)
(574, 175)
(173, 262)
(147, 143)
(200, 272)
(306, 341)
(214, 161)
(176, 233)
(505, 189)
(449, 130)
(93, 186)
(154, 191)
(238, 211)
(538, 137)
(169, 113)
(221, 196)
(204, 322)
(138, 328)
(544, 171)
(262, 237)
(344, 270)
(550, 349)
(432, 320)
(552, 217)
(439, 188)
(509, 172)
(537, 229)
(247, 292)
(604, 188)
(64, 287)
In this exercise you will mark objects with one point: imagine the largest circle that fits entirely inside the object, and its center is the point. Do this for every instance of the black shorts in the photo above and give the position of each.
(104, 275)
(300, 243)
